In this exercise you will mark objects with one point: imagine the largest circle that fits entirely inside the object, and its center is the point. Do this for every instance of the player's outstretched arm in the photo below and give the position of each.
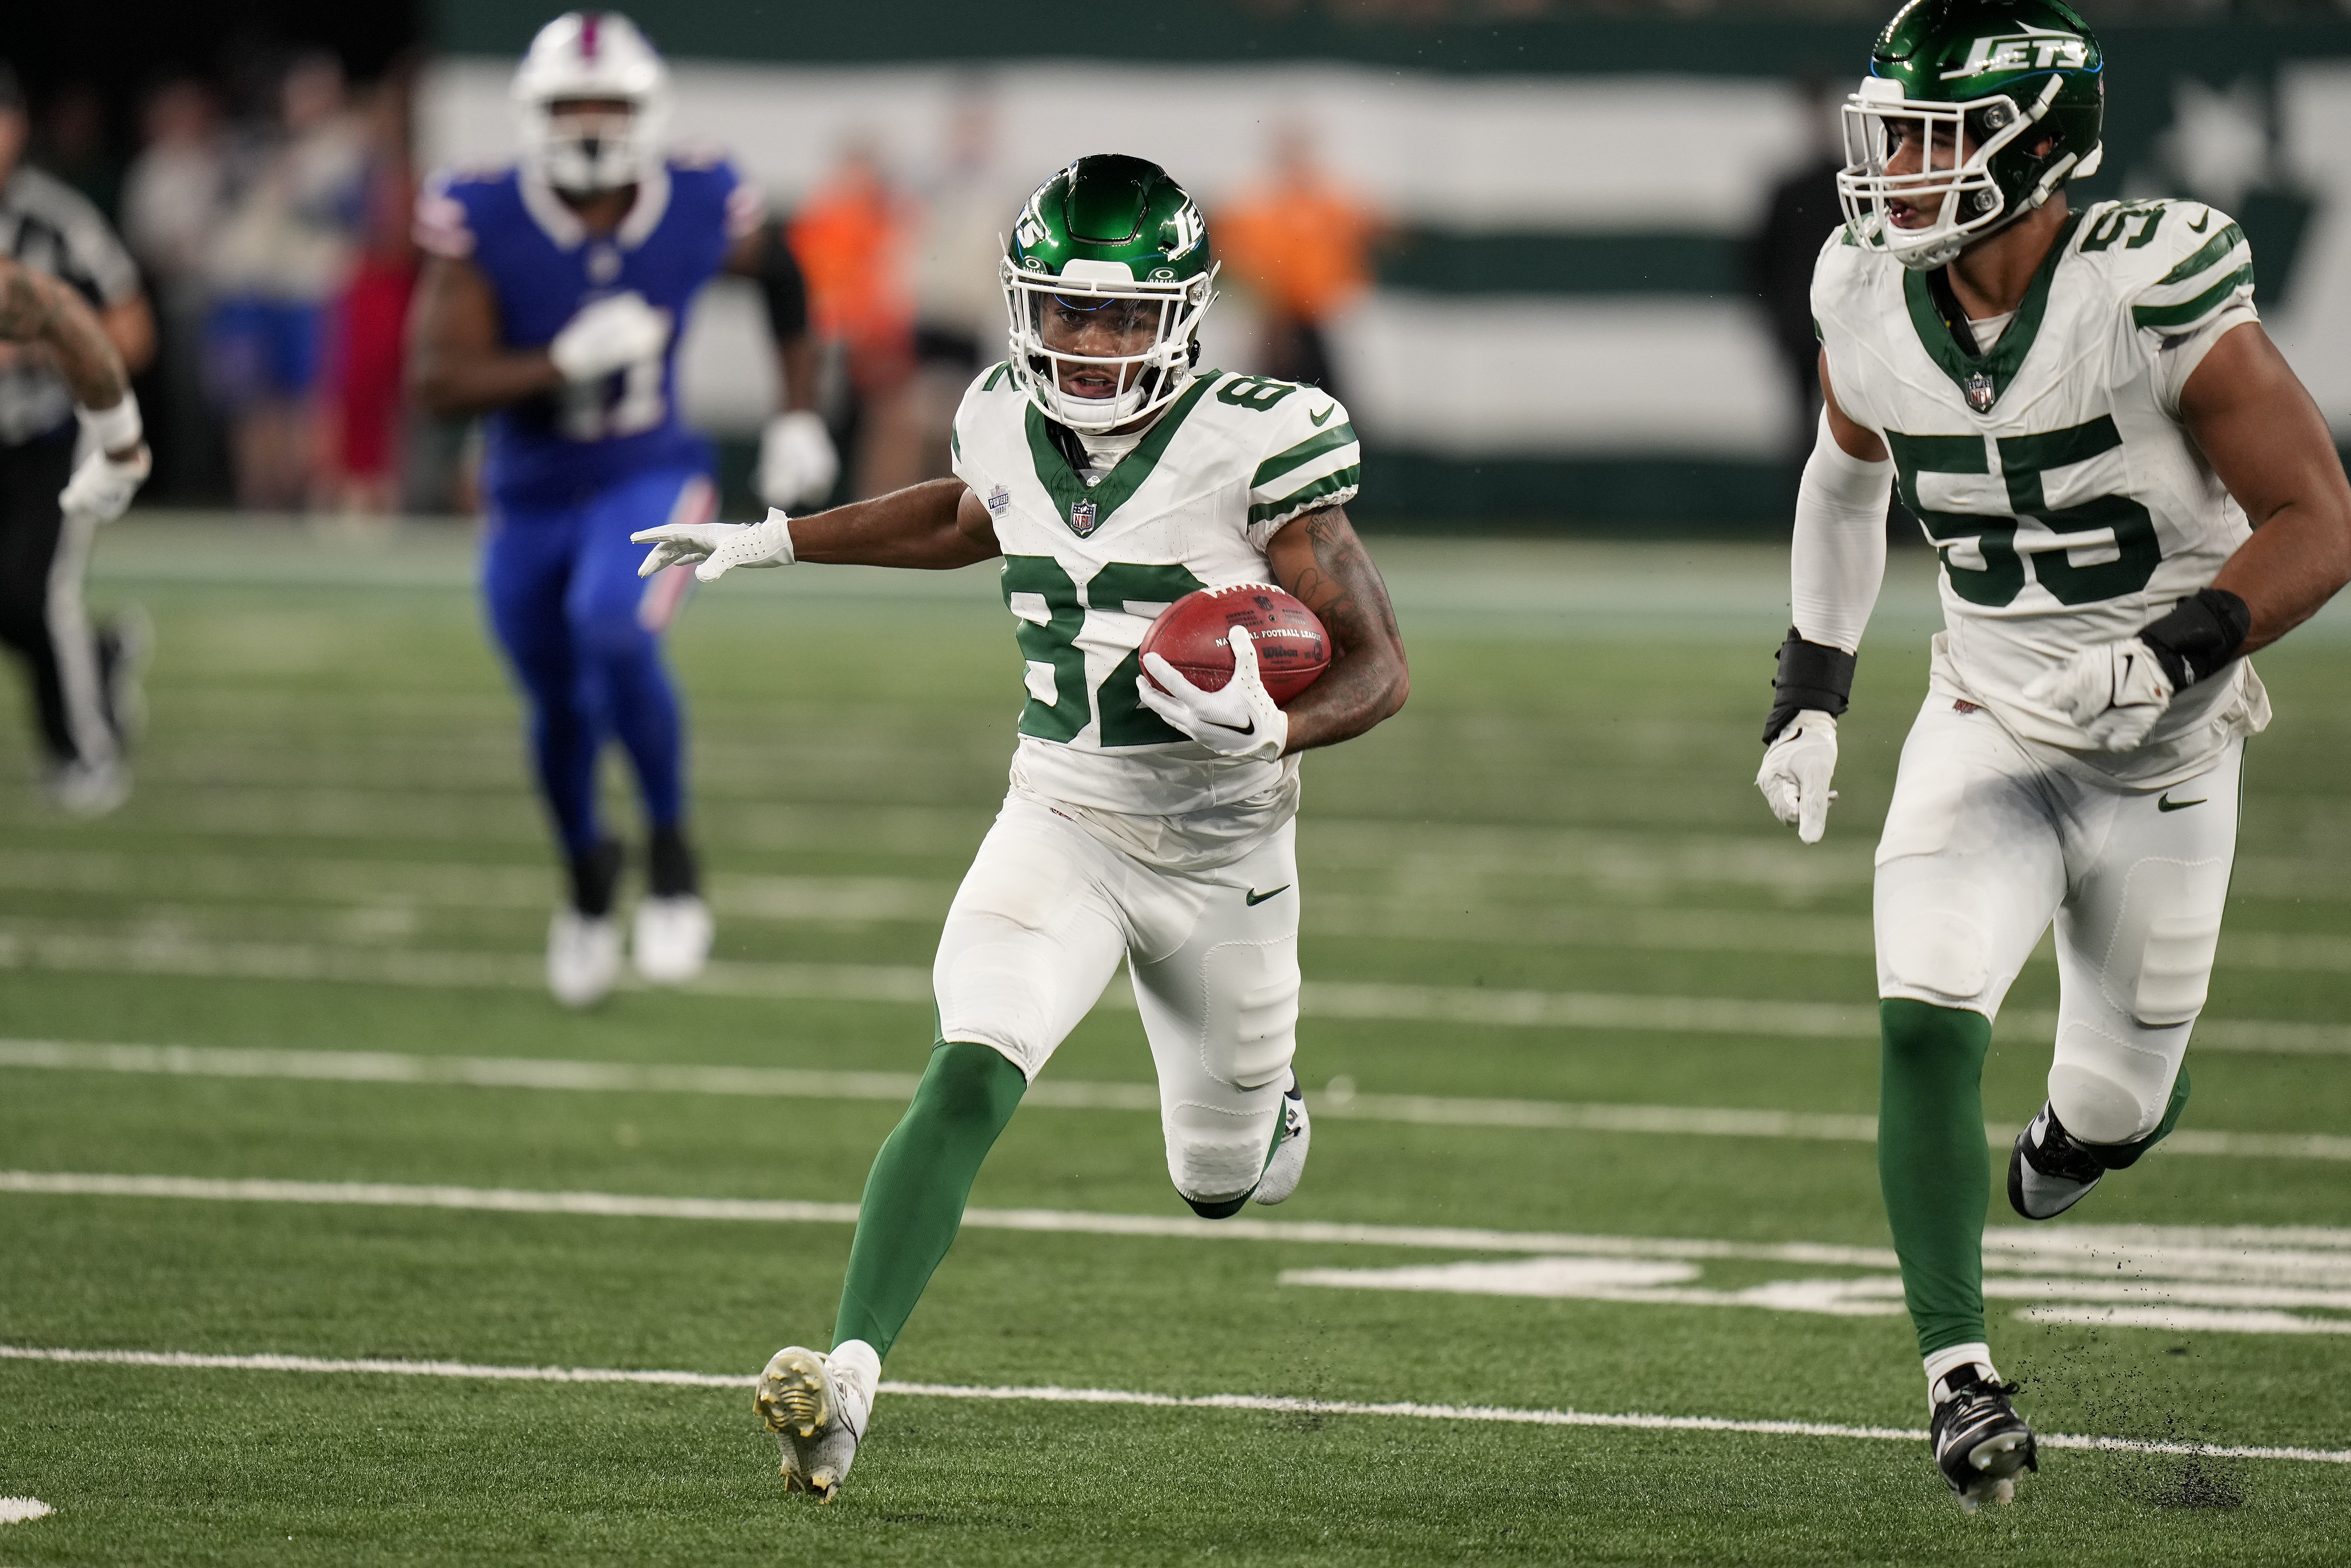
(456, 365)
(1319, 558)
(2265, 438)
(38, 309)
(934, 526)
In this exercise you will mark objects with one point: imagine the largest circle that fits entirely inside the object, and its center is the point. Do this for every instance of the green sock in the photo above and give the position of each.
(1933, 1166)
(914, 1196)
(2121, 1156)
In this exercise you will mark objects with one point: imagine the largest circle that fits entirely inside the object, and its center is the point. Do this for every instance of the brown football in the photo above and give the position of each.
(1292, 649)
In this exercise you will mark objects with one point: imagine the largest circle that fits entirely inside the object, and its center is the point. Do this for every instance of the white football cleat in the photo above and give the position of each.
(672, 940)
(584, 956)
(1981, 1445)
(89, 789)
(1287, 1165)
(817, 1407)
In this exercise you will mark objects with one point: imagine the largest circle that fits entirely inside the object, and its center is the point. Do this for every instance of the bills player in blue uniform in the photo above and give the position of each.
(552, 299)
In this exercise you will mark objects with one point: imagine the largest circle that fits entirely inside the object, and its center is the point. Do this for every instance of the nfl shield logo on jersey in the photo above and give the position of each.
(1980, 392)
(1081, 518)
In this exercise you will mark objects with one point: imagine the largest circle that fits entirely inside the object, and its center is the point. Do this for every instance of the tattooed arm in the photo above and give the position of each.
(38, 309)
(1318, 558)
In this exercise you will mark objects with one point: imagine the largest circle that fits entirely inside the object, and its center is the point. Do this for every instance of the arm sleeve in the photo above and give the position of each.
(1309, 462)
(1837, 560)
(2177, 319)
(782, 287)
(443, 227)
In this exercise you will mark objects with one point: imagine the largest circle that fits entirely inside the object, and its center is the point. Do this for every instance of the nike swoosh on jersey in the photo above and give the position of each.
(2166, 803)
(1316, 419)
(2201, 224)
(1253, 897)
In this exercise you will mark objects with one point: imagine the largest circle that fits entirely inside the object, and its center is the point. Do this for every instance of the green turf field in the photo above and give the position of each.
(1590, 1038)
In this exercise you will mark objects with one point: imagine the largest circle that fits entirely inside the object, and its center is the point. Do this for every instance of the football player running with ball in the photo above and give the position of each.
(2129, 492)
(552, 298)
(1152, 822)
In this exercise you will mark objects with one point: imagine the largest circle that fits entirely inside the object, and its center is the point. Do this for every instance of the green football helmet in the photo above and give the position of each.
(1105, 280)
(1959, 96)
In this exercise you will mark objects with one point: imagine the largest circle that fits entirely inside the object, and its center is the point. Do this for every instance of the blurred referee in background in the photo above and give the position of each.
(82, 678)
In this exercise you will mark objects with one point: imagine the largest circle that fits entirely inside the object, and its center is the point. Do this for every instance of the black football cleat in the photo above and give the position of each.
(1981, 1445)
(2048, 1171)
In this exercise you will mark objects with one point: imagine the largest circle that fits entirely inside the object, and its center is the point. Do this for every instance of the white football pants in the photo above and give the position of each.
(1037, 931)
(1982, 845)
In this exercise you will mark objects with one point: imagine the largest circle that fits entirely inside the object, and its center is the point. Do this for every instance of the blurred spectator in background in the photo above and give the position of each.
(173, 200)
(961, 323)
(1302, 244)
(76, 671)
(1801, 213)
(852, 239)
(283, 254)
(73, 145)
(366, 394)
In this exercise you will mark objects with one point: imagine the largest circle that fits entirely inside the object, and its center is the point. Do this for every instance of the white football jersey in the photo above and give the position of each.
(2051, 472)
(1088, 566)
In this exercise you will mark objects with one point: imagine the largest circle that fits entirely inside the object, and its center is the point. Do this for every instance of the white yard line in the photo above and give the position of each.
(620, 1076)
(1270, 1403)
(171, 953)
(2314, 1254)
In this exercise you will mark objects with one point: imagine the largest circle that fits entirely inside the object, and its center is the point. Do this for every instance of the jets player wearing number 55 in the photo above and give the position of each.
(552, 299)
(1149, 823)
(2130, 491)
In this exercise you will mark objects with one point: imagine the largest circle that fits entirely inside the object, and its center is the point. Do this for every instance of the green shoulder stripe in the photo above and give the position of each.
(1346, 479)
(1313, 447)
(2216, 250)
(954, 442)
(2202, 304)
(996, 373)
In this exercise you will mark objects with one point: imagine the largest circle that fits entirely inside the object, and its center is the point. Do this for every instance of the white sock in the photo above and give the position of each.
(1943, 1363)
(856, 1368)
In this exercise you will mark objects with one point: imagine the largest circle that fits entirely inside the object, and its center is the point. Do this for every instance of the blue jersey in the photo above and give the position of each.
(543, 266)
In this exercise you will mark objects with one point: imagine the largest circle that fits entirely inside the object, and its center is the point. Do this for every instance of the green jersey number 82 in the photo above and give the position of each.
(1053, 642)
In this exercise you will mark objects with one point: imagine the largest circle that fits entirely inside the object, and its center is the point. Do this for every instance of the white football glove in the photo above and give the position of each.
(719, 546)
(614, 332)
(1241, 720)
(1795, 774)
(796, 462)
(101, 487)
(2116, 691)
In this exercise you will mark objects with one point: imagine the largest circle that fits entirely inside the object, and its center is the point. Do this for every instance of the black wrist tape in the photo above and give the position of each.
(1811, 675)
(2200, 635)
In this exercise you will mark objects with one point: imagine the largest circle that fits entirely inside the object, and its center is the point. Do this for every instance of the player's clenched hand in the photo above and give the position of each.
(2115, 692)
(615, 331)
(101, 487)
(796, 462)
(719, 546)
(1796, 770)
(1241, 720)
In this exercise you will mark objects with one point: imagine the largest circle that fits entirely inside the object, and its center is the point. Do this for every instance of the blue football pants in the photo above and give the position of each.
(583, 632)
